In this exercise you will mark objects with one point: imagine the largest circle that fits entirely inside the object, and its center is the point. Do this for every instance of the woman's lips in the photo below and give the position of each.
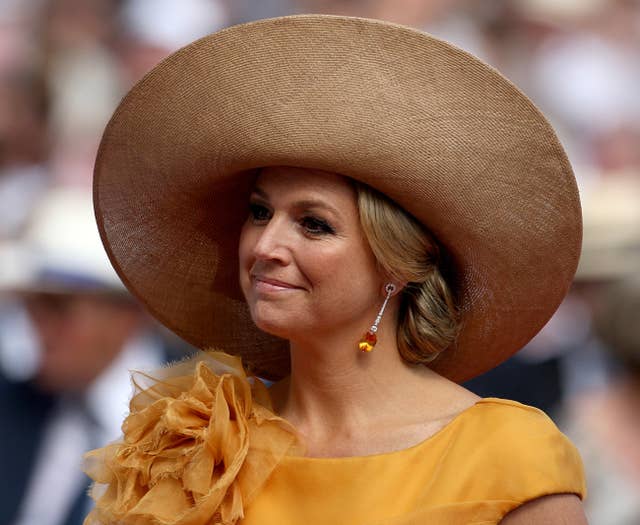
(266, 284)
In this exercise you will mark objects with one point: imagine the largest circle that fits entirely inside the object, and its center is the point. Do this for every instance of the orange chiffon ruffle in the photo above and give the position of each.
(200, 441)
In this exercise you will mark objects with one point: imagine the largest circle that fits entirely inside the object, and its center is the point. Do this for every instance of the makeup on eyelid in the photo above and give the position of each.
(312, 224)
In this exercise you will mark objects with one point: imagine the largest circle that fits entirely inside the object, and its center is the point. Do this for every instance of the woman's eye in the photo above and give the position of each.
(316, 226)
(259, 213)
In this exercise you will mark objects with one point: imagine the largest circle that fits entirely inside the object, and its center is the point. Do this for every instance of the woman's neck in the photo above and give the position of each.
(337, 395)
(337, 384)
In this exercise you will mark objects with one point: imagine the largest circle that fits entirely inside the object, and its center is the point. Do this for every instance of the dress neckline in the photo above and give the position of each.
(449, 427)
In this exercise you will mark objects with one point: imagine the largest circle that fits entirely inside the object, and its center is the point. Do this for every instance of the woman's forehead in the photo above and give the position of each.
(303, 183)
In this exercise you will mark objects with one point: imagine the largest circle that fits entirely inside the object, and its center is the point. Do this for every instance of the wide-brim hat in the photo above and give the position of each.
(429, 125)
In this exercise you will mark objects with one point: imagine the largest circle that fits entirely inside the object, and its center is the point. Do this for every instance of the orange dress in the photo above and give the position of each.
(201, 447)
(493, 457)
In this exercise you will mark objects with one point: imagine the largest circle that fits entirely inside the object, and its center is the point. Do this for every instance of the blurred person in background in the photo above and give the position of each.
(93, 51)
(584, 72)
(606, 421)
(76, 40)
(65, 392)
(24, 105)
(24, 112)
(602, 413)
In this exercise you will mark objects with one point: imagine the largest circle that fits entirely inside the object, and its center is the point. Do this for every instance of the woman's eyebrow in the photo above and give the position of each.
(260, 192)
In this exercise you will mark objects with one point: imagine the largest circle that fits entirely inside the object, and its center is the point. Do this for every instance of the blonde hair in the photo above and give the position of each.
(428, 317)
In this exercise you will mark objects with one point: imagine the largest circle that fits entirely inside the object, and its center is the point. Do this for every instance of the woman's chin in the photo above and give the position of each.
(276, 327)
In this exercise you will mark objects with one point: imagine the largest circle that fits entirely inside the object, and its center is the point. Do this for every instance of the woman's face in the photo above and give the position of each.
(305, 266)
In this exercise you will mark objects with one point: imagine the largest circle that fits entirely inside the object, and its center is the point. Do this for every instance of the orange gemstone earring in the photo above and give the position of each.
(369, 339)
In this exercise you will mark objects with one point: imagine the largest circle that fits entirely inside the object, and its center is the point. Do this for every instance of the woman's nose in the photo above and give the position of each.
(271, 242)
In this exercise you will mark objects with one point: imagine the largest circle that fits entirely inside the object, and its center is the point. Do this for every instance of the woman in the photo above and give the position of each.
(407, 206)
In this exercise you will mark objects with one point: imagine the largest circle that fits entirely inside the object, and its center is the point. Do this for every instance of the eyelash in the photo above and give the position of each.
(316, 226)
(311, 225)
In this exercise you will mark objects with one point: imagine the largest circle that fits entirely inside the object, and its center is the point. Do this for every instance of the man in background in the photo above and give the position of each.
(67, 343)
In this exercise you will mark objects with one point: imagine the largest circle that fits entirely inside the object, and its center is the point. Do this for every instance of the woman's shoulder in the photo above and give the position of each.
(500, 419)
(514, 430)
(518, 449)
(509, 412)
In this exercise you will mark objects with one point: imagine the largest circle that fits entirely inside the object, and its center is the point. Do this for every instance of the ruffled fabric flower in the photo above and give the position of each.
(199, 443)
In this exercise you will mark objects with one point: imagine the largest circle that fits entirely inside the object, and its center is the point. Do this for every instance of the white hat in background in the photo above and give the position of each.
(611, 241)
(60, 251)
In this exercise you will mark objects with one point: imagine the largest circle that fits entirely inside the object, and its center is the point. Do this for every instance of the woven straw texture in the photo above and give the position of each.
(437, 130)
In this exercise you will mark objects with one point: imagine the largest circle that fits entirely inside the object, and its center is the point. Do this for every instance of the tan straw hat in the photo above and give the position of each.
(432, 127)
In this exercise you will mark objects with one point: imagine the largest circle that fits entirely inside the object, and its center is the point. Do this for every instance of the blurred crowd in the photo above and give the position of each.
(69, 331)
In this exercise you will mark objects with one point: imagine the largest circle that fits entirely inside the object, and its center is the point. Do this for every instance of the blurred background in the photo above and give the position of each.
(69, 332)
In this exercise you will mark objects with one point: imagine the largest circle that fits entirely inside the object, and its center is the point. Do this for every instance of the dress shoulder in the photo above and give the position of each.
(507, 452)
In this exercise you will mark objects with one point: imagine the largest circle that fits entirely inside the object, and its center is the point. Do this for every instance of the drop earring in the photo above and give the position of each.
(369, 339)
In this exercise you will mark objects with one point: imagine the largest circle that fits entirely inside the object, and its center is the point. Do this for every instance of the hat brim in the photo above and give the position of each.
(437, 130)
